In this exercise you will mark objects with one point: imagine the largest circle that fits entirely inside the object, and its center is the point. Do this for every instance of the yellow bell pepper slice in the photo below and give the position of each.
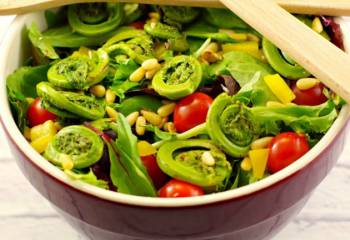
(40, 144)
(47, 128)
(250, 47)
(280, 88)
(145, 148)
(259, 158)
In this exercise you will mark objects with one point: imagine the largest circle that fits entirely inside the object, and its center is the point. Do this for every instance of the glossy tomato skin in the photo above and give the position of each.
(176, 189)
(191, 111)
(285, 149)
(311, 97)
(158, 177)
(138, 25)
(36, 114)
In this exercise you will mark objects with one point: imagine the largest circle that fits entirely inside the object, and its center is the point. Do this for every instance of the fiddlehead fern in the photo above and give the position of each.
(74, 103)
(183, 160)
(179, 14)
(80, 71)
(139, 48)
(93, 19)
(81, 145)
(176, 40)
(232, 126)
(179, 77)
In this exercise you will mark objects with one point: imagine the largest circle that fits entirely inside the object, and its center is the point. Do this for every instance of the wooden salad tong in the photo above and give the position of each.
(316, 7)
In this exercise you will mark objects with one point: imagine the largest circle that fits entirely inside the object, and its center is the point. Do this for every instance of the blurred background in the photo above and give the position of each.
(25, 215)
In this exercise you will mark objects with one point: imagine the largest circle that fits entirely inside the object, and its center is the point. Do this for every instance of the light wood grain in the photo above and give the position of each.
(317, 55)
(321, 7)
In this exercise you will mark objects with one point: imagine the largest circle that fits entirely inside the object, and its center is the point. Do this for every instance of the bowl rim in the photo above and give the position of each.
(50, 170)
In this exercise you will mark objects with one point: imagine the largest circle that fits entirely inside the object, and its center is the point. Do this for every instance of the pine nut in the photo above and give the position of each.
(150, 74)
(261, 143)
(140, 126)
(154, 16)
(208, 159)
(211, 57)
(150, 64)
(110, 96)
(170, 127)
(151, 117)
(137, 75)
(246, 164)
(98, 90)
(317, 25)
(213, 47)
(307, 83)
(166, 110)
(111, 112)
(66, 161)
(274, 104)
(132, 117)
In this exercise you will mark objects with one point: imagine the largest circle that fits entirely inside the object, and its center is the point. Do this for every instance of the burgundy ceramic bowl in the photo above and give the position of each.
(254, 212)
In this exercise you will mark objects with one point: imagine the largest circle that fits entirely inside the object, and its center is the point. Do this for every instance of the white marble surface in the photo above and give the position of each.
(25, 215)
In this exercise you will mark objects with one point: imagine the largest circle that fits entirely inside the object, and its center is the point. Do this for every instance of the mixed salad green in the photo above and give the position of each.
(166, 101)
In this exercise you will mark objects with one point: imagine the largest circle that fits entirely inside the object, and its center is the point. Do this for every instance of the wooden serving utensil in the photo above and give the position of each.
(317, 7)
(317, 55)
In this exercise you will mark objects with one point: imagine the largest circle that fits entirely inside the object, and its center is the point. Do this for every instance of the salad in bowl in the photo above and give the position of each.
(163, 101)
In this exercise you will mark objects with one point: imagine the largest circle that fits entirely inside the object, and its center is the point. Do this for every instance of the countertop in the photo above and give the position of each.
(25, 215)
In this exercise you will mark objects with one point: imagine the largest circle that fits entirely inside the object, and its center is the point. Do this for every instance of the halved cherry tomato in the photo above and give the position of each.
(176, 188)
(285, 149)
(36, 114)
(191, 111)
(158, 177)
(138, 24)
(311, 97)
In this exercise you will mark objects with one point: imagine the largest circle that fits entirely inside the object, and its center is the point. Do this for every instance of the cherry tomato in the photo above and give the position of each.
(191, 111)
(158, 177)
(176, 188)
(285, 149)
(36, 114)
(138, 25)
(311, 97)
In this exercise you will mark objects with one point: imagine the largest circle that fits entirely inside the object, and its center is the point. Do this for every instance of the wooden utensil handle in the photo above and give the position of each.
(321, 7)
(323, 59)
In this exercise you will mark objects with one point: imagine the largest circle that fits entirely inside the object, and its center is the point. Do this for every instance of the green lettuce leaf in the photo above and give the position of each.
(305, 119)
(20, 85)
(89, 178)
(249, 73)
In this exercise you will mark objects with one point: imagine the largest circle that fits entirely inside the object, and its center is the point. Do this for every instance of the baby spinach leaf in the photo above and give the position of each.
(120, 88)
(201, 30)
(65, 37)
(124, 69)
(128, 173)
(223, 18)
